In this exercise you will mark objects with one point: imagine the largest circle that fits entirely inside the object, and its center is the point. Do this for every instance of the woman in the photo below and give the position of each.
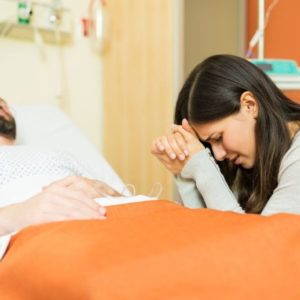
(236, 112)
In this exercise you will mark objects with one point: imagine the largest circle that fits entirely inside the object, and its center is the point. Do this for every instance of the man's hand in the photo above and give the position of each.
(94, 188)
(71, 198)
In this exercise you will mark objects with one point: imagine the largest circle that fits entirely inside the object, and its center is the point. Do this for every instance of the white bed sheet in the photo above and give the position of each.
(48, 127)
(26, 187)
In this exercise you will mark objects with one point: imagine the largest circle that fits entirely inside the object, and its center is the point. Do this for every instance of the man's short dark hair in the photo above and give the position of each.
(8, 128)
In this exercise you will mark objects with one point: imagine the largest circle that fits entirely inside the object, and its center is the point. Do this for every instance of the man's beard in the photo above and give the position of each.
(8, 128)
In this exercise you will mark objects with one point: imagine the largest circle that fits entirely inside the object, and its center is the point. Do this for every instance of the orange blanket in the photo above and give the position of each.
(156, 250)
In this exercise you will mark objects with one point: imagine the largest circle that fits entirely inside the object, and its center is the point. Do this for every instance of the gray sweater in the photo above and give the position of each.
(201, 184)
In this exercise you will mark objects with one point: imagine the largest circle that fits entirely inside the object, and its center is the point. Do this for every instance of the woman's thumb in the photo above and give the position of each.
(187, 126)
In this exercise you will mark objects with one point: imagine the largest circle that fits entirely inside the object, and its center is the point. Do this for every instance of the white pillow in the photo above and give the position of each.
(47, 126)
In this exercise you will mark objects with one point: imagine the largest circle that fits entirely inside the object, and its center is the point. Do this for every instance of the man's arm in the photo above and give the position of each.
(68, 199)
(8, 222)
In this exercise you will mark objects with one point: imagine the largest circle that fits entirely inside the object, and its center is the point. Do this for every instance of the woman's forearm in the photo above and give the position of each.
(190, 196)
(210, 182)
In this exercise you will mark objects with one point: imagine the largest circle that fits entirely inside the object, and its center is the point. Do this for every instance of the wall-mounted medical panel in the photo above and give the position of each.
(46, 21)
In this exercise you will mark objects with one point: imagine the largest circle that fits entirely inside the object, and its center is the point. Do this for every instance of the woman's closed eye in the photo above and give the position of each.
(217, 140)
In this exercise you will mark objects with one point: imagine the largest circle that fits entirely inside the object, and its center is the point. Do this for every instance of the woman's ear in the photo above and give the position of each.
(249, 104)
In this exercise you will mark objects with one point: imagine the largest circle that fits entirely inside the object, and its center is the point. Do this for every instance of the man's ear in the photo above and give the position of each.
(249, 104)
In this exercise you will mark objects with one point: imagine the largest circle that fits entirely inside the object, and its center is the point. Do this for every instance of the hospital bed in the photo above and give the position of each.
(48, 126)
(147, 250)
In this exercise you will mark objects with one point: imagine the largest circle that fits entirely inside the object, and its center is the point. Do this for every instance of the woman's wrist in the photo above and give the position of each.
(193, 166)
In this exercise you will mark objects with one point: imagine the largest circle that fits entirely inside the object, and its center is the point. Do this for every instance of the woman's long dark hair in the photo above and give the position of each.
(212, 91)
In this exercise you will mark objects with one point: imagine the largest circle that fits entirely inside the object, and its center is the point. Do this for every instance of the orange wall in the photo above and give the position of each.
(282, 35)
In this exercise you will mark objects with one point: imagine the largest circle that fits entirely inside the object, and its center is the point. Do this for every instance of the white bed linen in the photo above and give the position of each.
(21, 189)
(17, 191)
(47, 126)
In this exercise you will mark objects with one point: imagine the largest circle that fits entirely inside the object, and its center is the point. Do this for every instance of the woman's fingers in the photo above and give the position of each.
(174, 150)
(174, 166)
(157, 147)
(186, 125)
(168, 147)
(174, 146)
(181, 143)
(187, 135)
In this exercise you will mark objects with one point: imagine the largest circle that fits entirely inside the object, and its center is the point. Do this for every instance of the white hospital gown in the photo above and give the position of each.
(20, 161)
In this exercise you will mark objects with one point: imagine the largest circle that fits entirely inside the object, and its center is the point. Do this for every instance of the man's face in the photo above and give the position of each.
(7, 122)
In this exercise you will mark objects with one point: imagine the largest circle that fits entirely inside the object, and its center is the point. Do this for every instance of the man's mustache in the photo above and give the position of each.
(8, 127)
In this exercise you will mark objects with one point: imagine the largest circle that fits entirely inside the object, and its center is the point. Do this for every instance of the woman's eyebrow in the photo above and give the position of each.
(207, 139)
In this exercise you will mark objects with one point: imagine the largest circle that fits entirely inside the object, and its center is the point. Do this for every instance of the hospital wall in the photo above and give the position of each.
(139, 83)
(154, 44)
(282, 38)
(212, 27)
(68, 76)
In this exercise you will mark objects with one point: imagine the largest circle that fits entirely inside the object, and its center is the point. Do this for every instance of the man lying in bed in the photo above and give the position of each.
(68, 194)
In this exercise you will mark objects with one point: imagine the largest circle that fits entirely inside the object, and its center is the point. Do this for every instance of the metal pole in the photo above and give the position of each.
(261, 25)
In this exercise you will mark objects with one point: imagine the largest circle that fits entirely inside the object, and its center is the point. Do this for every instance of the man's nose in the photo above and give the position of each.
(219, 152)
(6, 113)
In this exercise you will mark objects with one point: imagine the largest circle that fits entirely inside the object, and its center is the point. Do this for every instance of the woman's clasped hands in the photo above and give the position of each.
(175, 149)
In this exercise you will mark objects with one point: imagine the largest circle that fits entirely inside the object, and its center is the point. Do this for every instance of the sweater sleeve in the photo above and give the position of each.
(211, 184)
(188, 192)
(286, 196)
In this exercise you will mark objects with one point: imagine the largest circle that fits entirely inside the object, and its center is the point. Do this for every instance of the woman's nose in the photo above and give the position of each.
(219, 152)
